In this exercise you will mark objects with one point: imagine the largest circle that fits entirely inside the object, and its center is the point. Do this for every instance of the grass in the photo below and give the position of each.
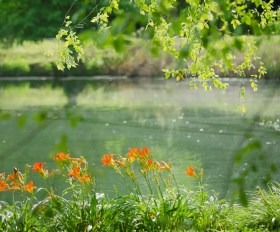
(29, 59)
(165, 207)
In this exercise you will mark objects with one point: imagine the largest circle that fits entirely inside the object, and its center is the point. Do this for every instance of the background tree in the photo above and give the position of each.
(34, 20)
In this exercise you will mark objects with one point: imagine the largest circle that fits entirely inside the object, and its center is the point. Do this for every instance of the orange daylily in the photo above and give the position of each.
(108, 160)
(136, 152)
(85, 178)
(38, 167)
(133, 153)
(16, 179)
(29, 187)
(75, 172)
(61, 156)
(3, 186)
(190, 171)
(152, 165)
(144, 153)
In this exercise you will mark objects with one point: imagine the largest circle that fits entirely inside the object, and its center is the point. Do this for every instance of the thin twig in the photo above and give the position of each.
(70, 8)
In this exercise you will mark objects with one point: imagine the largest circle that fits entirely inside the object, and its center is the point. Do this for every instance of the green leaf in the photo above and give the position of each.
(167, 73)
(119, 44)
(185, 51)
(251, 146)
(235, 23)
(247, 19)
(238, 44)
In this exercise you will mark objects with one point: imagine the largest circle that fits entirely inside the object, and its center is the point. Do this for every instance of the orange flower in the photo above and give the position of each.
(29, 187)
(150, 162)
(61, 156)
(108, 160)
(75, 172)
(3, 186)
(16, 179)
(38, 167)
(190, 171)
(133, 153)
(144, 153)
(136, 152)
(85, 178)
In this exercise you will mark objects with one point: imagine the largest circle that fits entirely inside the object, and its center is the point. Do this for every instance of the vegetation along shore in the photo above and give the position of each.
(30, 59)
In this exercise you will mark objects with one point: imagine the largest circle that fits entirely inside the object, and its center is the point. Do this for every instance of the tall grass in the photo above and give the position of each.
(165, 206)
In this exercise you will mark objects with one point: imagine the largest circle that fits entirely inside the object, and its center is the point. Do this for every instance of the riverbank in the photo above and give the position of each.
(30, 59)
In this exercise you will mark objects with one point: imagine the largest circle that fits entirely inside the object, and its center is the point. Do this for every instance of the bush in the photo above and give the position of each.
(14, 68)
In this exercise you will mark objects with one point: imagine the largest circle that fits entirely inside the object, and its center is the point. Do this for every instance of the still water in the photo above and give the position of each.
(91, 117)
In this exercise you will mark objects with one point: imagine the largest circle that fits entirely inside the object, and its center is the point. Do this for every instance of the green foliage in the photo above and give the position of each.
(262, 213)
(106, 61)
(71, 51)
(19, 216)
(30, 20)
(204, 37)
(17, 67)
(251, 159)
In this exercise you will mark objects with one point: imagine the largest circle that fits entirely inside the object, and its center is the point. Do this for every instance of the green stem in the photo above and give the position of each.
(176, 184)
(150, 188)
(159, 188)
(148, 184)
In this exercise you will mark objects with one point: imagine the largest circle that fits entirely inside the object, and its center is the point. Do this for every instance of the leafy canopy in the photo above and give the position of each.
(203, 36)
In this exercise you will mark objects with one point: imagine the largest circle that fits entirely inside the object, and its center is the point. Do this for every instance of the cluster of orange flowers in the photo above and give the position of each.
(136, 154)
(145, 161)
(76, 168)
(14, 182)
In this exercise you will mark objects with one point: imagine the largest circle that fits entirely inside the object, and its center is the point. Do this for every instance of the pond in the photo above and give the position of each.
(92, 117)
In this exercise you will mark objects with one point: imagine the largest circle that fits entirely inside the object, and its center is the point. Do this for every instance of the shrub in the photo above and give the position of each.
(14, 68)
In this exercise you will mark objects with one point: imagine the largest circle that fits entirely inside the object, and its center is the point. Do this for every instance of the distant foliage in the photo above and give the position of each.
(30, 20)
